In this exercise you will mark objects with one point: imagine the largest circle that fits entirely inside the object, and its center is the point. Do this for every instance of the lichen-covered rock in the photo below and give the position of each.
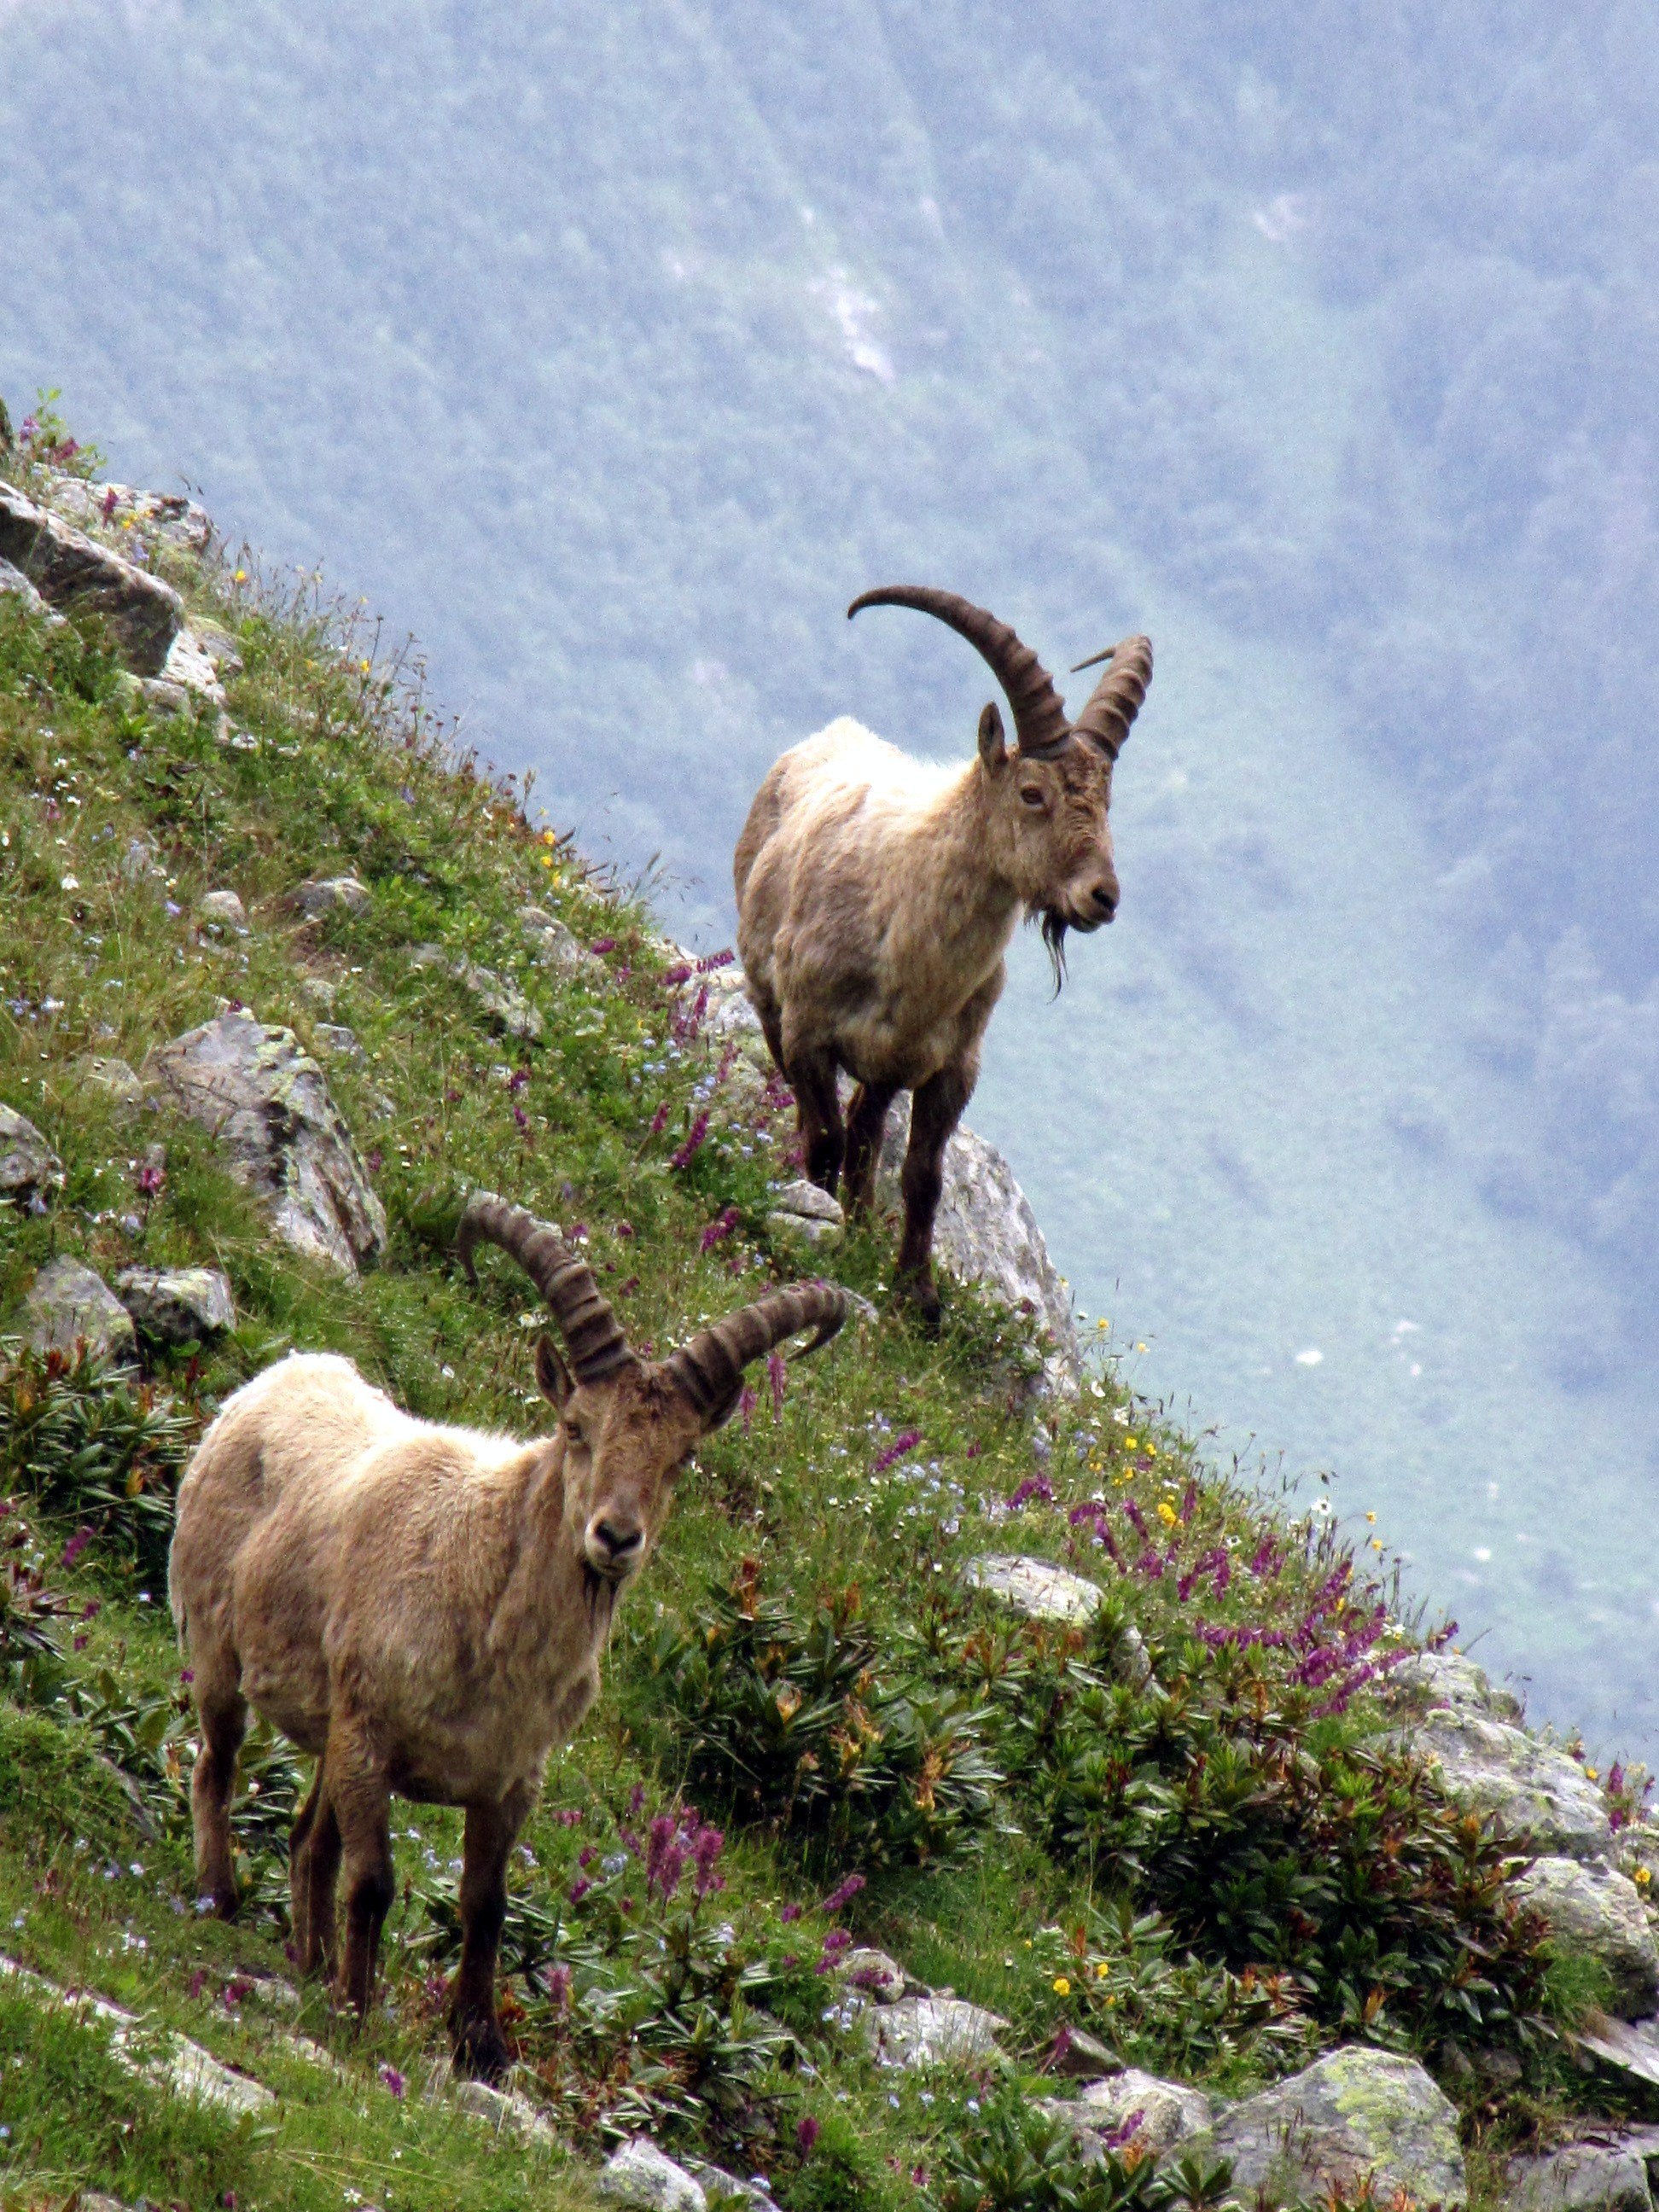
(1168, 2111)
(802, 1211)
(1449, 1679)
(1355, 2120)
(932, 2031)
(1034, 1588)
(178, 1305)
(1595, 1910)
(329, 894)
(107, 509)
(1632, 2046)
(76, 575)
(638, 2173)
(223, 909)
(1580, 2178)
(554, 944)
(251, 1087)
(29, 1166)
(874, 1973)
(1534, 1794)
(985, 1232)
(502, 1005)
(67, 1305)
(337, 1041)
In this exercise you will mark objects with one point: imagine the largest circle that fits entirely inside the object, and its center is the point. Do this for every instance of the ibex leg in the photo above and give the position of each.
(474, 2021)
(935, 1109)
(866, 1122)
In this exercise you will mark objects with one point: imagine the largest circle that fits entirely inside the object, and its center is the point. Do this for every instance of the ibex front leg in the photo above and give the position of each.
(935, 1109)
(475, 2022)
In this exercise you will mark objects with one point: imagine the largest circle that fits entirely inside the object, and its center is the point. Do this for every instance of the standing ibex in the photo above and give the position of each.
(423, 1609)
(876, 895)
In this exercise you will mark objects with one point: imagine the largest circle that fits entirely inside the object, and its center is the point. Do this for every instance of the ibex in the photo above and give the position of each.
(876, 895)
(424, 1609)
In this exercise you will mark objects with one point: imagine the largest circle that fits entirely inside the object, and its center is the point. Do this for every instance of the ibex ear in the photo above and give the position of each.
(552, 1375)
(991, 749)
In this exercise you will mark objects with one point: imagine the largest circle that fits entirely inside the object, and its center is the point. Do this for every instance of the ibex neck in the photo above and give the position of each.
(971, 899)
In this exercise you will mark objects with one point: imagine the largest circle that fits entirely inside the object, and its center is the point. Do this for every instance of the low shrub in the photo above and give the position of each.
(1018, 2158)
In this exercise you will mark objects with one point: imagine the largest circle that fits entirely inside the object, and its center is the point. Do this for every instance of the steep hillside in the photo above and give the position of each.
(965, 1744)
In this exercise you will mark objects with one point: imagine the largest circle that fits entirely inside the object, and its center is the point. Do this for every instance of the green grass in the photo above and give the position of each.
(1147, 1844)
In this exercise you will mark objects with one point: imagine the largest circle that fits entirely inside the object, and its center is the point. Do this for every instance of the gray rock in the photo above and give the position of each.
(76, 575)
(1595, 1909)
(1034, 1588)
(320, 991)
(168, 517)
(801, 1210)
(169, 2062)
(510, 2111)
(502, 1004)
(13, 581)
(985, 1232)
(427, 955)
(189, 667)
(329, 894)
(114, 1077)
(638, 2173)
(338, 1042)
(1356, 2118)
(875, 1973)
(933, 2031)
(1535, 1794)
(177, 1305)
(1083, 2058)
(720, 2187)
(1170, 2112)
(69, 1305)
(1447, 1678)
(251, 1087)
(223, 908)
(1584, 2176)
(1631, 2046)
(29, 1166)
(554, 944)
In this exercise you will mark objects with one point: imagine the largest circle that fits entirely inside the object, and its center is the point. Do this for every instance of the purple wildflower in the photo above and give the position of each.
(718, 1229)
(706, 1847)
(603, 944)
(776, 1376)
(693, 1145)
(660, 1119)
(788, 1912)
(1137, 1519)
(393, 2079)
(1035, 1486)
(556, 1980)
(747, 1402)
(1125, 2128)
(665, 1858)
(905, 1442)
(806, 2133)
(579, 1889)
(843, 1894)
(76, 1544)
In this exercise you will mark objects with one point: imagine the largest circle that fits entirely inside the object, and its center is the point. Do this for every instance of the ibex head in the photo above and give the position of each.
(627, 1424)
(1051, 795)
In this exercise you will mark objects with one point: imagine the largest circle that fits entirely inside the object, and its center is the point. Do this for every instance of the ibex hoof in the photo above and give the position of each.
(481, 2051)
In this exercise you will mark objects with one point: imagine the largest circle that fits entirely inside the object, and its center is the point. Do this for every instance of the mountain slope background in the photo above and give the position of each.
(615, 350)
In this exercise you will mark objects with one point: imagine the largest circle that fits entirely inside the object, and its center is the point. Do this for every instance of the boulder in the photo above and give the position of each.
(501, 1002)
(29, 1166)
(168, 517)
(1582, 2176)
(329, 894)
(69, 1305)
(510, 2111)
(875, 1973)
(1631, 2046)
(1449, 1680)
(638, 2173)
(1034, 1588)
(554, 944)
(168, 2061)
(932, 2031)
(186, 675)
(222, 908)
(721, 2188)
(177, 1305)
(250, 1085)
(1356, 2119)
(1168, 2111)
(1536, 1796)
(337, 1041)
(114, 1078)
(1077, 2055)
(985, 1232)
(15, 581)
(76, 575)
(801, 1210)
(1595, 1909)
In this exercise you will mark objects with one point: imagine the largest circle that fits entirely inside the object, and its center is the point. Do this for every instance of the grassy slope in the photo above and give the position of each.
(348, 773)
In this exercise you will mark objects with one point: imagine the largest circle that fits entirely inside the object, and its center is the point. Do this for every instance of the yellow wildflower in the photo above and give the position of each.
(1102, 1969)
(1590, 1771)
(1371, 1517)
(548, 838)
(363, 667)
(1062, 1987)
(241, 576)
(1166, 1513)
(1377, 1543)
(1643, 1876)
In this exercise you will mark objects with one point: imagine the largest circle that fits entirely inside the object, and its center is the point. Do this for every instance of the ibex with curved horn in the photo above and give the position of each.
(876, 895)
(424, 1609)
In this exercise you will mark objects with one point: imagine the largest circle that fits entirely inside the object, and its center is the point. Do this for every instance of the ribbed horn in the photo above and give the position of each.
(1040, 721)
(709, 1368)
(590, 1330)
(1116, 699)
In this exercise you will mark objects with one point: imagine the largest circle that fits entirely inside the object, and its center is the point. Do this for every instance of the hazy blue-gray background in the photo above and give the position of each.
(612, 348)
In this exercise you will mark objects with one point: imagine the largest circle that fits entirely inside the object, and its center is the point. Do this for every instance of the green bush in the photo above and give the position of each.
(1017, 2157)
(801, 1722)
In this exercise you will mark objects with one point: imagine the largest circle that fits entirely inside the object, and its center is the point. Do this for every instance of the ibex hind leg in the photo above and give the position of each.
(866, 1125)
(935, 1109)
(811, 1076)
(313, 1870)
(222, 1710)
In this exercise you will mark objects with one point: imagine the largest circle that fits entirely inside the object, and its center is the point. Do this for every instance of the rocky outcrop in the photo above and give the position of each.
(167, 2061)
(499, 999)
(1034, 1588)
(68, 1306)
(985, 1232)
(933, 2031)
(800, 1210)
(29, 1169)
(165, 519)
(329, 894)
(1133, 2107)
(638, 2174)
(178, 1305)
(266, 1101)
(1597, 1911)
(1534, 1794)
(1609, 2176)
(114, 1078)
(1356, 2120)
(223, 909)
(75, 574)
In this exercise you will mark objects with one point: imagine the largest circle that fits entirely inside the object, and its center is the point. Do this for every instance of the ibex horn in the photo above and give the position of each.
(1040, 721)
(1115, 700)
(590, 1330)
(709, 1368)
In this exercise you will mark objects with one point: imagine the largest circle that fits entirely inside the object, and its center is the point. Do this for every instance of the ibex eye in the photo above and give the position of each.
(573, 1431)
(1031, 795)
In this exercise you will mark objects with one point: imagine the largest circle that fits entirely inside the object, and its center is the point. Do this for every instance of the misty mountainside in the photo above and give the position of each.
(613, 351)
